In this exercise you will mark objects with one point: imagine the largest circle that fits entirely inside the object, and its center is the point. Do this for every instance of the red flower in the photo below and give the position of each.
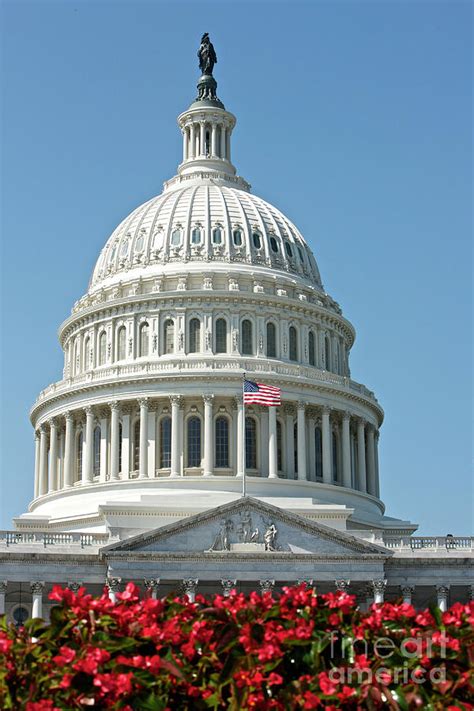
(43, 705)
(327, 686)
(5, 643)
(311, 701)
(65, 656)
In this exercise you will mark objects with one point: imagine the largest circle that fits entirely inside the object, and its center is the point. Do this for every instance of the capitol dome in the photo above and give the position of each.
(194, 288)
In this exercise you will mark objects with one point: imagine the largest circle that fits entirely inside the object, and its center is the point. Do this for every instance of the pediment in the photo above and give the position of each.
(246, 526)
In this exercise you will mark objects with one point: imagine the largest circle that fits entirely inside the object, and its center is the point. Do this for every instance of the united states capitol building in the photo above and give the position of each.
(142, 446)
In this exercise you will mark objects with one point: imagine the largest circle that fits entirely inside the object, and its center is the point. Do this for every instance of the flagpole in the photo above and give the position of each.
(244, 482)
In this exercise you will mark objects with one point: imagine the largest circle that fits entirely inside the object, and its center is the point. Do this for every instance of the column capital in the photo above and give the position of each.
(312, 412)
(176, 399)
(113, 584)
(37, 587)
(342, 585)
(346, 416)
(377, 434)
(361, 422)
(151, 583)
(266, 586)
(302, 405)
(289, 409)
(227, 586)
(143, 402)
(379, 585)
(43, 428)
(442, 589)
(305, 581)
(114, 405)
(74, 586)
(208, 398)
(37, 434)
(89, 410)
(190, 585)
(3, 587)
(68, 416)
(237, 402)
(325, 410)
(407, 590)
(52, 423)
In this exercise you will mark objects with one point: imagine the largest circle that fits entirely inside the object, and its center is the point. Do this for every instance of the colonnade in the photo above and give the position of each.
(206, 139)
(371, 591)
(125, 439)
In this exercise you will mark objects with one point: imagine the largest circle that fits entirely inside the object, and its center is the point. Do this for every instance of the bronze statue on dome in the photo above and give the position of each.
(207, 55)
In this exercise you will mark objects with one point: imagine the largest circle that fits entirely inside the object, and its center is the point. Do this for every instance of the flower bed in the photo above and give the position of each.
(297, 650)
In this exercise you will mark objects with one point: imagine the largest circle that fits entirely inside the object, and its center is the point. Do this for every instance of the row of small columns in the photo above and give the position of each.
(46, 474)
(194, 143)
(375, 590)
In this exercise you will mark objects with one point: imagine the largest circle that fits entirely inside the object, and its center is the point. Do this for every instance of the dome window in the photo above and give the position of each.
(217, 235)
(300, 252)
(113, 253)
(288, 250)
(237, 237)
(196, 236)
(124, 248)
(176, 237)
(158, 239)
(257, 241)
(140, 243)
(274, 244)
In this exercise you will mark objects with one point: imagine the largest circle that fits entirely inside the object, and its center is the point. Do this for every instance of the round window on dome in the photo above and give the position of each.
(217, 235)
(124, 248)
(288, 250)
(176, 237)
(274, 244)
(140, 243)
(237, 237)
(196, 236)
(257, 240)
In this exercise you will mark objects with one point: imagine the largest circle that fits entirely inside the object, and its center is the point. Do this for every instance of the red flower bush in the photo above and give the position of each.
(295, 651)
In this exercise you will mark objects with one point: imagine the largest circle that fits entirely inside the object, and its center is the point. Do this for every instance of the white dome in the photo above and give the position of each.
(204, 221)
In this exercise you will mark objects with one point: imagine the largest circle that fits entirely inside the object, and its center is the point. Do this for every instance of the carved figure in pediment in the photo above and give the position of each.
(269, 537)
(221, 541)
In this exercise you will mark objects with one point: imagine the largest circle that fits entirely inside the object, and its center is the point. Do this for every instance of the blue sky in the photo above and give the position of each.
(354, 118)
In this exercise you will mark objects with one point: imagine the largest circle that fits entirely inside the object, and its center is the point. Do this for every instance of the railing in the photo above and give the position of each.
(432, 543)
(45, 539)
(187, 364)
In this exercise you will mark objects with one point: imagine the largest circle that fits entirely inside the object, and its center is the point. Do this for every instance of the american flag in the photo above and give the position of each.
(260, 394)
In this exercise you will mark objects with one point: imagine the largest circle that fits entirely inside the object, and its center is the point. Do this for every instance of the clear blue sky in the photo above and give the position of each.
(354, 118)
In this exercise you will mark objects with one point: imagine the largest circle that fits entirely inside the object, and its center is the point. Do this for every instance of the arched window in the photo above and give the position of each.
(237, 237)
(221, 335)
(194, 335)
(274, 244)
(121, 343)
(288, 250)
(196, 236)
(102, 348)
(250, 443)
(76, 364)
(247, 340)
(257, 241)
(136, 447)
(96, 461)
(85, 355)
(311, 349)
(335, 458)
(327, 353)
(194, 442)
(217, 235)
(293, 343)
(176, 238)
(318, 444)
(144, 339)
(165, 443)
(169, 336)
(271, 340)
(222, 442)
(140, 243)
(124, 248)
(79, 447)
(279, 447)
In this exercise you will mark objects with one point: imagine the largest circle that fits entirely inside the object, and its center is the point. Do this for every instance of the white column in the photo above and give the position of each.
(152, 585)
(37, 593)
(326, 445)
(346, 450)
(53, 456)
(208, 464)
(240, 435)
(407, 593)
(185, 143)
(202, 139)
(371, 486)
(126, 442)
(301, 429)
(227, 144)
(223, 141)
(113, 587)
(290, 442)
(361, 473)
(151, 443)
(37, 463)
(272, 443)
(68, 449)
(311, 449)
(227, 586)
(189, 586)
(264, 461)
(3, 594)
(43, 469)
(192, 141)
(442, 592)
(376, 452)
(214, 140)
(103, 446)
(175, 435)
(114, 439)
(143, 455)
(378, 586)
(87, 472)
